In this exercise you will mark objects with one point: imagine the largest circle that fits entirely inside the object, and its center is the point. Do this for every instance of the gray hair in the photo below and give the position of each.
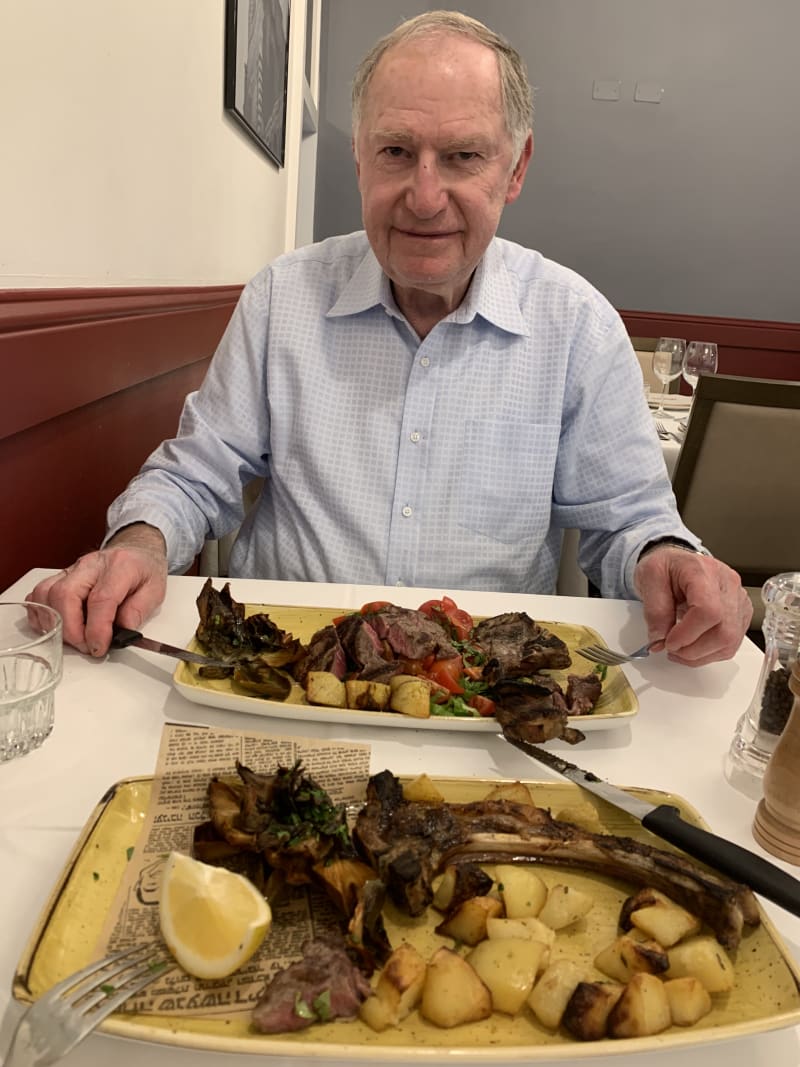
(515, 90)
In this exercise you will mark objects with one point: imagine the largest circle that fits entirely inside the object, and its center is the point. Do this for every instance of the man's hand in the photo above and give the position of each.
(695, 604)
(123, 582)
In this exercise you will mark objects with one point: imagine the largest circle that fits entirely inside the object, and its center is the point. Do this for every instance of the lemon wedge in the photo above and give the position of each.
(211, 919)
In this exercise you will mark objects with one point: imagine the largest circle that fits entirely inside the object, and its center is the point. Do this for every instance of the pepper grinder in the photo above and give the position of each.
(776, 826)
(762, 723)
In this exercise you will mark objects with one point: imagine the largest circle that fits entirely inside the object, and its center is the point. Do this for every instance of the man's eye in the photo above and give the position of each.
(394, 151)
(466, 157)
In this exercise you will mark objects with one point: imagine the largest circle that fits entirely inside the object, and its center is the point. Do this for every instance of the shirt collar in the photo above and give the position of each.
(493, 293)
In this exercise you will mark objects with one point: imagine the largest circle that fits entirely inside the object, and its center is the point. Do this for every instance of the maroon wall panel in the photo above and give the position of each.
(94, 381)
(748, 348)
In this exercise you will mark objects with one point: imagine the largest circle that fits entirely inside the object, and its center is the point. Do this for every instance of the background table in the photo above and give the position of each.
(110, 713)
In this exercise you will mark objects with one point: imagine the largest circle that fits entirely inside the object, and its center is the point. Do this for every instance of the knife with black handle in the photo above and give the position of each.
(665, 821)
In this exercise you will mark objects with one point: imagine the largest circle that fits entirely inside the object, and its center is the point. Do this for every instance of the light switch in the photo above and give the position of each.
(606, 90)
(648, 92)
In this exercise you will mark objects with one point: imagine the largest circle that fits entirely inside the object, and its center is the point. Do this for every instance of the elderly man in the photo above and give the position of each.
(427, 404)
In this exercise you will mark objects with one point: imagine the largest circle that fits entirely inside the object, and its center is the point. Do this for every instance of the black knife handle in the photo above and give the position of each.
(123, 637)
(736, 862)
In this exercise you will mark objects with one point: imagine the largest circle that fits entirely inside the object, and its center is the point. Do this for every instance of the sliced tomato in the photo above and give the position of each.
(483, 705)
(448, 614)
(374, 605)
(447, 673)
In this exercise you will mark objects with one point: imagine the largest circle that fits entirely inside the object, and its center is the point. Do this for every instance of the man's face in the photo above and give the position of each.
(434, 163)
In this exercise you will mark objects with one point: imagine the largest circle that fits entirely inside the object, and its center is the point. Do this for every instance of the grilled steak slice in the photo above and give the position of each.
(408, 843)
(362, 646)
(534, 711)
(583, 692)
(325, 984)
(519, 645)
(324, 653)
(410, 634)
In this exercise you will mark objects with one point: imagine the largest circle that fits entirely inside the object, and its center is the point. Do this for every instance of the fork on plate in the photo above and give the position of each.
(611, 658)
(664, 432)
(67, 1013)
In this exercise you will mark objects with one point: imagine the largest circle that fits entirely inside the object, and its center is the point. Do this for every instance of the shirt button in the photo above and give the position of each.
(407, 511)
(415, 436)
(425, 362)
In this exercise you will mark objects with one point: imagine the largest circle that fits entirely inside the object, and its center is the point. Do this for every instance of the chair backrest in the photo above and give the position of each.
(737, 479)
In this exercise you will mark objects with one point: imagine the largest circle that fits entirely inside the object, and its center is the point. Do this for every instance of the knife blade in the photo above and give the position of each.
(123, 638)
(665, 821)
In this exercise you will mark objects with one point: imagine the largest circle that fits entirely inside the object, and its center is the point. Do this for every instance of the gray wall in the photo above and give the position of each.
(688, 206)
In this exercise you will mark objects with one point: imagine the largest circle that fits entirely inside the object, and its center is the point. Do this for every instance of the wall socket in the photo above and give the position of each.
(648, 92)
(606, 90)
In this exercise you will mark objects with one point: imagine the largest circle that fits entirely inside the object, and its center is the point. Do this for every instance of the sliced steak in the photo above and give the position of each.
(325, 984)
(412, 635)
(324, 653)
(519, 645)
(583, 692)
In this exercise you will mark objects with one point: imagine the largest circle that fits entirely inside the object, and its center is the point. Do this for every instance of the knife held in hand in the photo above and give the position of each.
(665, 821)
(123, 638)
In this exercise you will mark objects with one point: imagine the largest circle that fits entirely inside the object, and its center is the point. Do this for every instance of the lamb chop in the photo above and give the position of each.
(408, 843)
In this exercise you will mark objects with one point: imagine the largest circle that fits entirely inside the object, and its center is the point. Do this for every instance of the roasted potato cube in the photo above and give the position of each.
(326, 689)
(587, 1011)
(516, 792)
(467, 924)
(522, 890)
(444, 890)
(642, 1010)
(564, 905)
(453, 993)
(367, 696)
(422, 790)
(658, 917)
(508, 967)
(398, 989)
(529, 928)
(584, 815)
(626, 956)
(552, 991)
(704, 958)
(411, 698)
(689, 1000)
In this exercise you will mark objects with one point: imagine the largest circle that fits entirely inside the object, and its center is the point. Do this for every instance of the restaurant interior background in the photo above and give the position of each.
(132, 208)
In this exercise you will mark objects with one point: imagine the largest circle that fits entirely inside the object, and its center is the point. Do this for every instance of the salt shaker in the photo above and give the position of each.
(776, 826)
(763, 722)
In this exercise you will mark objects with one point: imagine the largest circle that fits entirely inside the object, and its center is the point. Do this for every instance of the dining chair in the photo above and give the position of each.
(215, 555)
(736, 480)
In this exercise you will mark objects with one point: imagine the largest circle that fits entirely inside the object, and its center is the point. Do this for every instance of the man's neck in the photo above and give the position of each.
(423, 309)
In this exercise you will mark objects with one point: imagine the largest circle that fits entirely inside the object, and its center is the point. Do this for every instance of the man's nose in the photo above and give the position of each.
(426, 195)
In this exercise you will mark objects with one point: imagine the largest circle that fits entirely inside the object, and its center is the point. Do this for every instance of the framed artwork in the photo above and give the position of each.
(256, 59)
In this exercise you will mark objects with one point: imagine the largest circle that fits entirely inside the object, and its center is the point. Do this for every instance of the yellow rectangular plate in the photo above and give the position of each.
(766, 995)
(616, 707)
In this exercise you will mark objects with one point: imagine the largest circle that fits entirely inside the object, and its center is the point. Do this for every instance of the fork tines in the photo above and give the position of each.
(598, 654)
(113, 980)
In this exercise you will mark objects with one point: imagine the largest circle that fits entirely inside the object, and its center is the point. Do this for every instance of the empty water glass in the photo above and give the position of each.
(30, 669)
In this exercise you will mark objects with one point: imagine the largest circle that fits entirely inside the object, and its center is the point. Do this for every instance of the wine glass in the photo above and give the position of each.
(667, 364)
(701, 358)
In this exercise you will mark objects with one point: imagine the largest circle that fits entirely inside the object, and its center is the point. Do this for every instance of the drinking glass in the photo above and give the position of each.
(30, 669)
(667, 364)
(701, 358)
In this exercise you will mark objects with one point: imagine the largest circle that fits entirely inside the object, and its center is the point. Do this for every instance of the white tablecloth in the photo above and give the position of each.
(109, 718)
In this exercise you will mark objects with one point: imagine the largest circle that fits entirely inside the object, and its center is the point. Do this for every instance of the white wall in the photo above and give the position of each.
(118, 164)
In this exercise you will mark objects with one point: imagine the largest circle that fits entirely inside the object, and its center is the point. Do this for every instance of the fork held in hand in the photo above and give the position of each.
(601, 654)
(67, 1013)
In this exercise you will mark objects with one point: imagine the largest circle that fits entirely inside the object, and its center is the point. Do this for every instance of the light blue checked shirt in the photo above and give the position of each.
(453, 462)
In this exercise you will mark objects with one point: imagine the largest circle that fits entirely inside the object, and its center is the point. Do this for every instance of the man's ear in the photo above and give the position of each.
(355, 156)
(517, 179)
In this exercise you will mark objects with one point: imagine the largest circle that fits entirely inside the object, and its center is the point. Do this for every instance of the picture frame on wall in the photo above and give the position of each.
(256, 65)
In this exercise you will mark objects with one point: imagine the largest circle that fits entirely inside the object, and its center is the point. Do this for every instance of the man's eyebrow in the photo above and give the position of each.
(454, 144)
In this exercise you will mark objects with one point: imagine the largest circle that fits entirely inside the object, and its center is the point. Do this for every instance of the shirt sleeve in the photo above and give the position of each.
(190, 487)
(611, 480)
